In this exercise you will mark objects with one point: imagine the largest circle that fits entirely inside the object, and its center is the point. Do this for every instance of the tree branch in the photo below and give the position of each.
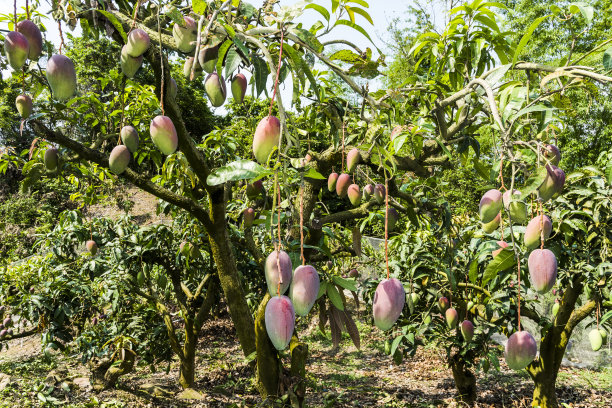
(137, 179)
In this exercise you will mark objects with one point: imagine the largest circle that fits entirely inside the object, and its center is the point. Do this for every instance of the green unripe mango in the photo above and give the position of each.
(516, 207)
(24, 105)
(129, 64)
(490, 205)
(51, 159)
(119, 159)
(215, 89)
(138, 42)
(186, 36)
(452, 317)
(129, 137)
(239, 86)
(595, 339)
(187, 68)
(208, 58)
(489, 227)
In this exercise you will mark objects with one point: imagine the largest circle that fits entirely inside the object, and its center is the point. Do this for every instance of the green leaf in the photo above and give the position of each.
(302, 66)
(504, 260)
(322, 289)
(222, 51)
(352, 10)
(607, 59)
(526, 37)
(345, 56)
(534, 182)
(345, 283)
(358, 28)
(396, 343)
(237, 170)
(313, 174)
(473, 273)
(176, 16)
(115, 22)
(232, 62)
(334, 297)
(609, 172)
(261, 74)
(586, 11)
(309, 38)
(199, 6)
(322, 10)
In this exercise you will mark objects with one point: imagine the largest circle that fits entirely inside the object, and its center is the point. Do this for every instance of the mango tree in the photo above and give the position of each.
(440, 108)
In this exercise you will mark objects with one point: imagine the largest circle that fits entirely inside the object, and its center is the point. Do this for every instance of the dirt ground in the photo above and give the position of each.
(336, 378)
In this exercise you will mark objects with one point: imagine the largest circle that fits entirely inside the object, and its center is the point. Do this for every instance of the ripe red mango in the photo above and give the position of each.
(16, 49)
(61, 76)
(521, 349)
(392, 218)
(388, 303)
(452, 317)
(331, 181)
(32, 33)
(163, 134)
(368, 191)
(467, 330)
(342, 184)
(280, 321)
(542, 265)
(273, 275)
(552, 153)
(502, 245)
(267, 136)
(92, 247)
(443, 304)
(354, 195)
(533, 231)
(304, 289)
(490, 205)
(352, 160)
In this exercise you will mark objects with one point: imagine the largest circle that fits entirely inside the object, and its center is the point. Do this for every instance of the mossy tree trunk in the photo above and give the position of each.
(545, 368)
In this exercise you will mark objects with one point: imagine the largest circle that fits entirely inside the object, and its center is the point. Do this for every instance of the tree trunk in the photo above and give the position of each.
(230, 283)
(187, 367)
(544, 393)
(465, 381)
(268, 364)
(299, 355)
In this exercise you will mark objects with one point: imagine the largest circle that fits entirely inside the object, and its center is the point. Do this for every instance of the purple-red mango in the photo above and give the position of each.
(388, 303)
(542, 265)
(272, 273)
(304, 289)
(280, 321)
(521, 349)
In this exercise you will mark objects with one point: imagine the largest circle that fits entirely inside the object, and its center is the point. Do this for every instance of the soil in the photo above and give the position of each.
(346, 377)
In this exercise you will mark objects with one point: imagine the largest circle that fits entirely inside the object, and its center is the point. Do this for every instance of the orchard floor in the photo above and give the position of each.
(344, 378)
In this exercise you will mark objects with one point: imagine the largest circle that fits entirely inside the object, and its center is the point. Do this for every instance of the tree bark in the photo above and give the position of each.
(465, 381)
(268, 363)
(544, 370)
(187, 367)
